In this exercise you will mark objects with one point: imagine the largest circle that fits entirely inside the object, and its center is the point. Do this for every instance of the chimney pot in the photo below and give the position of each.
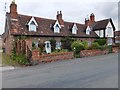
(13, 10)
(57, 12)
(60, 12)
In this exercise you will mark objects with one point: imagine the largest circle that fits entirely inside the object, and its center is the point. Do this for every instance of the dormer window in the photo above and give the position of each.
(32, 25)
(88, 30)
(57, 27)
(74, 29)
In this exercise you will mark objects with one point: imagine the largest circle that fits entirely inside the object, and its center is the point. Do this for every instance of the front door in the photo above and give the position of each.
(47, 47)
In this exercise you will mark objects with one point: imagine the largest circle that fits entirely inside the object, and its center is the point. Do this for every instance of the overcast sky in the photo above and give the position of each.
(73, 10)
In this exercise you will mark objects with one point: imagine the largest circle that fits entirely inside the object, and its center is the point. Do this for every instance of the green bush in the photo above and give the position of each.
(53, 44)
(41, 46)
(103, 47)
(20, 58)
(117, 44)
(94, 45)
(77, 46)
(60, 50)
(33, 44)
(110, 48)
(66, 43)
(85, 45)
(101, 41)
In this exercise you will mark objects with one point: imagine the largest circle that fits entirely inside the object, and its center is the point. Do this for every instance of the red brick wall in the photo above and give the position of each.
(8, 44)
(86, 53)
(35, 55)
(115, 49)
(66, 55)
(51, 57)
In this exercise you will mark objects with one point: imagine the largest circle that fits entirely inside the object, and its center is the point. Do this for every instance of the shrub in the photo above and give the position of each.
(110, 48)
(77, 46)
(60, 50)
(20, 58)
(33, 44)
(101, 41)
(66, 43)
(41, 46)
(103, 47)
(117, 44)
(85, 45)
(53, 44)
(95, 45)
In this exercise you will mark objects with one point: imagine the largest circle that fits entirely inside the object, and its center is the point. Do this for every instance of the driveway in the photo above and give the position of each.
(91, 72)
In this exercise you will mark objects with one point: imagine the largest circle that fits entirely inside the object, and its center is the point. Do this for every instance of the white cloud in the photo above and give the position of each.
(73, 10)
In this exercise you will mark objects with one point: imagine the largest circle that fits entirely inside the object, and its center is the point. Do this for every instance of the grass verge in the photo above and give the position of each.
(6, 61)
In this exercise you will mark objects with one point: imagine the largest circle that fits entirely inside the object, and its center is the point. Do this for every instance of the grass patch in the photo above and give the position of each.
(6, 61)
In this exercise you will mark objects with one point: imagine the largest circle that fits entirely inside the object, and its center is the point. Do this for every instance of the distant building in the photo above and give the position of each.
(41, 30)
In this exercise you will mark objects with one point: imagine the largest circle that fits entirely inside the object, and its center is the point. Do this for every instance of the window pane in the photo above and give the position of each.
(32, 27)
(58, 45)
(57, 29)
(74, 31)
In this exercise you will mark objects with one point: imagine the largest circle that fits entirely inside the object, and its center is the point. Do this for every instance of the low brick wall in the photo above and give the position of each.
(86, 53)
(51, 57)
(115, 49)
(66, 55)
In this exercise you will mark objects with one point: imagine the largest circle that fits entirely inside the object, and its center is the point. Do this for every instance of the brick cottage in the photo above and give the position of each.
(41, 30)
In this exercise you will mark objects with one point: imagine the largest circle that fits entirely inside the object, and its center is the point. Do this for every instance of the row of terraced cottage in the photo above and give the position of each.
(41, 30)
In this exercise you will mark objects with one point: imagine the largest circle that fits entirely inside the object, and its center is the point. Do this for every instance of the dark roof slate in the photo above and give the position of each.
(45, 28)
(102, 24)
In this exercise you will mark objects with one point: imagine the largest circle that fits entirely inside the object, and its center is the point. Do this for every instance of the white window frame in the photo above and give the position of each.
(57, 27)
(58, 45)
(74, 29)
(31, 25)
(88, 30)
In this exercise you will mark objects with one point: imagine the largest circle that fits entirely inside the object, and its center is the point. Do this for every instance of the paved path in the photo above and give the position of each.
(4, 68)
(91, 72)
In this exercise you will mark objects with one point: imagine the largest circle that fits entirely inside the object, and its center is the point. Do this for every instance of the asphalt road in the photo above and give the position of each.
(91, 72)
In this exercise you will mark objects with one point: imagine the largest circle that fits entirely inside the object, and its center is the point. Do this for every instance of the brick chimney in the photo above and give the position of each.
(13, 10)
(92, 18)
(59, 15)
(59, 18)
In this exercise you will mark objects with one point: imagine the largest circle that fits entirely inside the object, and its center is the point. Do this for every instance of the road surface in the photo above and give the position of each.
(91, 72)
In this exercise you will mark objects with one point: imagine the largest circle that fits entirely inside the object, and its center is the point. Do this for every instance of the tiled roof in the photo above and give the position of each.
(99, 25)
(45, 28)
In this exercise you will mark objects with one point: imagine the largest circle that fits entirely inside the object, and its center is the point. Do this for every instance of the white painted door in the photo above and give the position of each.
(48, 47)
